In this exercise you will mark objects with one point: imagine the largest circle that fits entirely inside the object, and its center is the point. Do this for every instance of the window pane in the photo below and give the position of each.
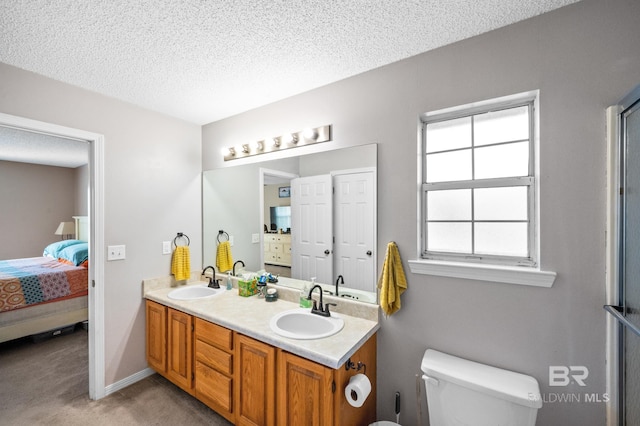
(449, 237)
(450, 134)
(502, 239)
(501, 126)
(449, 166)
(449, 205)
(508, 203)
(502, 161)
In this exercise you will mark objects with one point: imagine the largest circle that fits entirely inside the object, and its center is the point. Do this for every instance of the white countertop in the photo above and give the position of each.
(251, 315)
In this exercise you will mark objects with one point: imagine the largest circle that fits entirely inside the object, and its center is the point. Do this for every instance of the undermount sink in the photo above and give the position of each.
(302, 324)
(194, 292)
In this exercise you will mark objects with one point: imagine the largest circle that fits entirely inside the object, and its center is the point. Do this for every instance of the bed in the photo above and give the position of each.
(46, 293)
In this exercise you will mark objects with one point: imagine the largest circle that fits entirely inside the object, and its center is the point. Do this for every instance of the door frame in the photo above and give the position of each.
(614, 330)
(96, 333)
(261, 174)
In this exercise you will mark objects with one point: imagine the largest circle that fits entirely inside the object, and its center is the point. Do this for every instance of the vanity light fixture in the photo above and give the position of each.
(310, 134)
(259, 145)
(288, 140)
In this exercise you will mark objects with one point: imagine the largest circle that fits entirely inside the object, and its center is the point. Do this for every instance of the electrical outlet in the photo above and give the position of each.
(115, 252)
(166, 247)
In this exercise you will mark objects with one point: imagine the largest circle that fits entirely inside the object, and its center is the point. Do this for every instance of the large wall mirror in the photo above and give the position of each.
(306, 216)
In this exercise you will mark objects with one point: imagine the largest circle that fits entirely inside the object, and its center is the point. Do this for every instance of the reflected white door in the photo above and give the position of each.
(312, 236)
(354, 214)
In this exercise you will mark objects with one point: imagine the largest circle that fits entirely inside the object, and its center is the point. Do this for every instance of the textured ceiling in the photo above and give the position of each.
(29, 147)
(202, 61)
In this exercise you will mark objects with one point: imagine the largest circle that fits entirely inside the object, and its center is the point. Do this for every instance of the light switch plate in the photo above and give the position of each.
(255, 238)
(166, 247)
(115, 252)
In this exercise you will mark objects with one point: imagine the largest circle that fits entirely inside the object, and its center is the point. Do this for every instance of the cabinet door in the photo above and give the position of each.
(180, 349)
(156, 336)
(346, 414)
(255, 367)
(305, 392)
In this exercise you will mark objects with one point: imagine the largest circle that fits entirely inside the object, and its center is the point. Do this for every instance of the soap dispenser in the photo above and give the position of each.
(229, 282)
(304, 293)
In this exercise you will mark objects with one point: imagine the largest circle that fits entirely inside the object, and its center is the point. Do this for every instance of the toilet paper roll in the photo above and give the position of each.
(357, 390)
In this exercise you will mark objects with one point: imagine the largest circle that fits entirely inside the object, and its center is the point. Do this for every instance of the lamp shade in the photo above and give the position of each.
(65, 228)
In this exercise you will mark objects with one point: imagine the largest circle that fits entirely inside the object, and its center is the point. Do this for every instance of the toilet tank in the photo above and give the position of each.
(462, 392)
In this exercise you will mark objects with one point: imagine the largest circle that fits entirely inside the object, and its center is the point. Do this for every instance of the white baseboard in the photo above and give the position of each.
(128, 381)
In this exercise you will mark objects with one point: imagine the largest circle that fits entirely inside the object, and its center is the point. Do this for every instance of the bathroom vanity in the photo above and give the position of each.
(222, 351)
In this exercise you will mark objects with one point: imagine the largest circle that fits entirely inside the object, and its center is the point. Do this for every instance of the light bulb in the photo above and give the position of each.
(310, 134)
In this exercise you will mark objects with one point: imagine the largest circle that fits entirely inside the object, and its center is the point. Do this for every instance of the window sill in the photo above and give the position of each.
(483, 272)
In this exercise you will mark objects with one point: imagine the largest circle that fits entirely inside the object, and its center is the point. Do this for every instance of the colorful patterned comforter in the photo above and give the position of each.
(26, 282)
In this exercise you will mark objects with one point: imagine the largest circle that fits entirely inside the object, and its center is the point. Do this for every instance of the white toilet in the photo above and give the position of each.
(462, 392)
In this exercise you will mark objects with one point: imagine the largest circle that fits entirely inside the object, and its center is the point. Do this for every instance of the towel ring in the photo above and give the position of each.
(181, 235)
(221, 232)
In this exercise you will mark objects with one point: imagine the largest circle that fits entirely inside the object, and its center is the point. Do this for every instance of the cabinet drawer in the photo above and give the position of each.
(270, 257)
(270, 238)
(214, 357)
(214, 334)
(285, 258)
(213, 388)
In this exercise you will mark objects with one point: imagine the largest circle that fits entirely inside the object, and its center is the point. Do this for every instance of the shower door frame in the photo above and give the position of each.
(615, 356)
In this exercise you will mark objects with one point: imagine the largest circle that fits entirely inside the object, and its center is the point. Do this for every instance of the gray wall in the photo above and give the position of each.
(152, 191)
(582, 58)
(35, 199)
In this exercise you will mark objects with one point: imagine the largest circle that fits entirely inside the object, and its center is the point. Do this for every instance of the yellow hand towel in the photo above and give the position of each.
(392, 282)
(224, 260)
(181, 263)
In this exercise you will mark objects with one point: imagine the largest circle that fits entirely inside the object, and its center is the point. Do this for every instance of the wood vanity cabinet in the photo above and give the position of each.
(255, 390)
(156, 336)
(250, 382)
(305, 391)
(310, 393)
(179, 349)
(169, 344)
(214, 367)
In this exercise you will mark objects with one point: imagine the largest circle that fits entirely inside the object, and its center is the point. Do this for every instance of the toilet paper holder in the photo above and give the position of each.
(359, 366)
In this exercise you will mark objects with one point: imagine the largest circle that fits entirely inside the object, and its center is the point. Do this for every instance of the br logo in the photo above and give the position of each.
(562, 375)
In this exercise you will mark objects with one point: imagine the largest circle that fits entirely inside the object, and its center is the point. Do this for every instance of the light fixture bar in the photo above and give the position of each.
(279, 143)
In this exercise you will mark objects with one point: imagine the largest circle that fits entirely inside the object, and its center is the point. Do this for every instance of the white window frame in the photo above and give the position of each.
(503, 269)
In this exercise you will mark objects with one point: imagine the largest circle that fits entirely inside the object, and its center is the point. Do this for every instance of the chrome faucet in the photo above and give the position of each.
(234, 266)
(340, 280)
(213, 282)
(323, 310)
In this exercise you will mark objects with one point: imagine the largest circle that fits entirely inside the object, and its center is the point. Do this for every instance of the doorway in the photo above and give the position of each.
(623, 280)
(96, 238)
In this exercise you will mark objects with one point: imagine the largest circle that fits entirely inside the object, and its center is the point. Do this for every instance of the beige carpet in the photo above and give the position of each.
(47, 383)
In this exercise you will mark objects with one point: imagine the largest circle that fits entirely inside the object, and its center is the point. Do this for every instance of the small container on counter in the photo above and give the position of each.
(272, 295)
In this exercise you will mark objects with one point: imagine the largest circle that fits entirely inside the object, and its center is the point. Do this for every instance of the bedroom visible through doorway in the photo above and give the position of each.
(94, 199)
